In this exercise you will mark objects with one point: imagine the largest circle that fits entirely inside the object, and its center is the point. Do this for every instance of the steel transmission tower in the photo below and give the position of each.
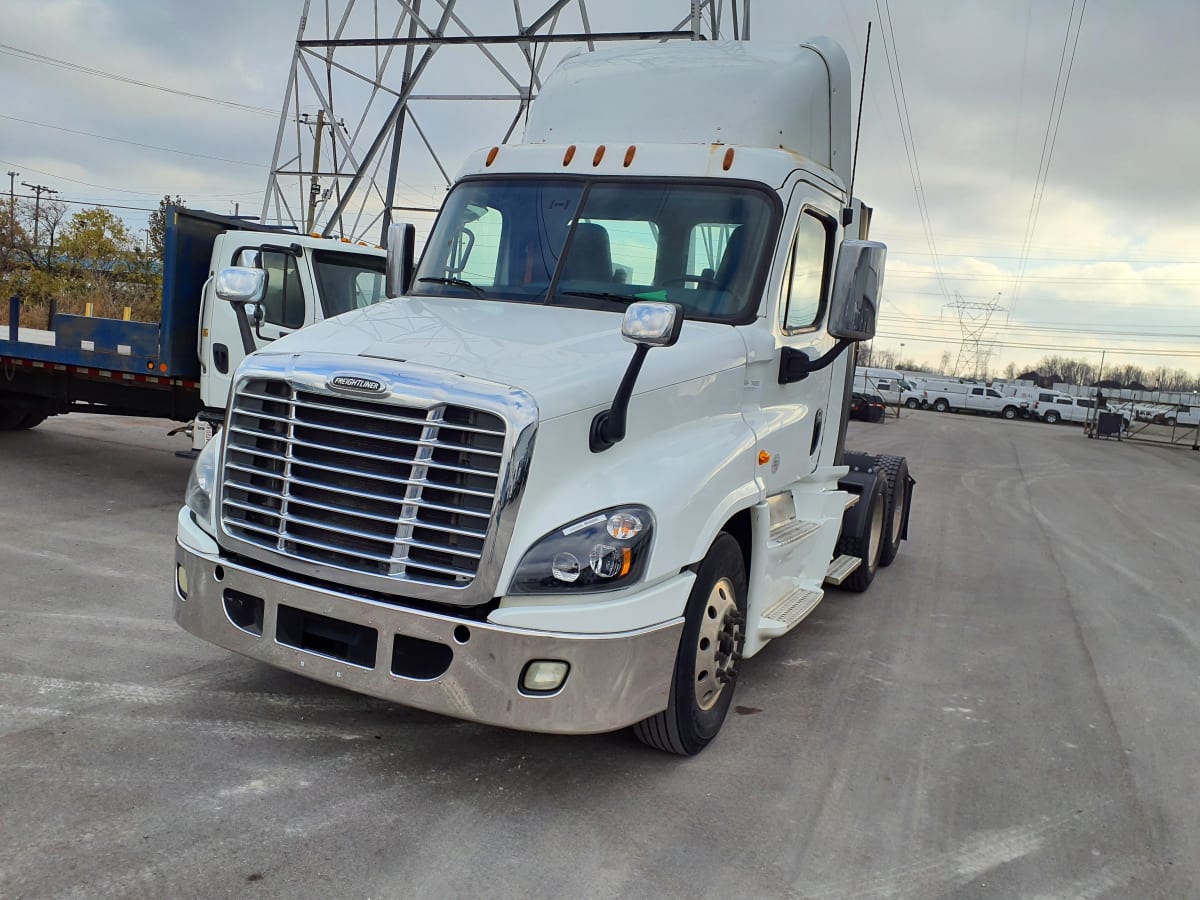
(976, 348)
(385, 97)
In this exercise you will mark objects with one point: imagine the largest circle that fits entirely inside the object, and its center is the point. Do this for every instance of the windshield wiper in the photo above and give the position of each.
(625, 299)
(459, 282)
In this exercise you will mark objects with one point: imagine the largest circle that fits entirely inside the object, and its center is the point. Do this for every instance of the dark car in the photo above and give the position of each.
(867, 407)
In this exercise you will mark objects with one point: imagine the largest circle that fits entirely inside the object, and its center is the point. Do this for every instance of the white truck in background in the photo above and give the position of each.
(475, 500)
(180, 368)
(970, 396)
(889, 384)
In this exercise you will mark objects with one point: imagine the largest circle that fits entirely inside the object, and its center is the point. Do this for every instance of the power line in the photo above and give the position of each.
(1048, 142)
(1160, 260)
(1058, 347)
(910, 145)
(105, 137)
(117, 190)
(125, 79)
(1045, 279)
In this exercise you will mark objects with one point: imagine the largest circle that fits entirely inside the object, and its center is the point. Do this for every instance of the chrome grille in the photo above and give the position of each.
(364, 485)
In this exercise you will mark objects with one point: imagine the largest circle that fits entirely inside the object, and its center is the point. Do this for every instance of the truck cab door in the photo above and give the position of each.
(289, 304)
(798, 429)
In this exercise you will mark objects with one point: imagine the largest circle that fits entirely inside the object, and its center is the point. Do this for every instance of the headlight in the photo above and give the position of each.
(198, 497)
(601, 552)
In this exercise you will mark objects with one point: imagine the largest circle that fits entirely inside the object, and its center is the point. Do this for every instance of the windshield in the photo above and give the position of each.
(348, 280)
(602, 244)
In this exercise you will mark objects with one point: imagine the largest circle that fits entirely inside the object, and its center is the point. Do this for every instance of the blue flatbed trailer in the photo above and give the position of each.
(115, 367)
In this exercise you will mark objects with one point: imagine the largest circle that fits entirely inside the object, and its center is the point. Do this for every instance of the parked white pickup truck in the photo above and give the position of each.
(977, 398)
(1052, 407)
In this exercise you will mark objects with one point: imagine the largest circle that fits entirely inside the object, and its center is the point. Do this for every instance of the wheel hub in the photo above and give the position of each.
(719, 644)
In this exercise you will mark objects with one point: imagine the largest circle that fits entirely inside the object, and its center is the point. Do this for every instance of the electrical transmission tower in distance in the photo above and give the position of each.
(386, 97)
(975, 350)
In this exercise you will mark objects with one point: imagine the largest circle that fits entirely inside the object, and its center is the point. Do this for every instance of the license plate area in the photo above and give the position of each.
(345, 641)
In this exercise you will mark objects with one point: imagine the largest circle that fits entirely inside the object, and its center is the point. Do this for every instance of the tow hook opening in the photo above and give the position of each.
(350, 643)
(420, 659)
(244, 610)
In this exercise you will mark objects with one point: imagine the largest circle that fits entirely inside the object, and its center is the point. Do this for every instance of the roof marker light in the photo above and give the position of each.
(569, 155)
(629, 155)
(728, 160)
(599, 155)
(491, 157)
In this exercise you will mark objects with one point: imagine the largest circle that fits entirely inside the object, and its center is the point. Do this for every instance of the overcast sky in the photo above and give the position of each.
(1113, 263)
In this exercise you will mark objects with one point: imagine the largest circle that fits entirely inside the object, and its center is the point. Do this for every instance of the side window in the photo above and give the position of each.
(283, 304)
(992, 393)
(1086, 404)
(1045, 398)
(1063, 401)
(883, 385)
(368, 289)
(976, 392)
(804, 284)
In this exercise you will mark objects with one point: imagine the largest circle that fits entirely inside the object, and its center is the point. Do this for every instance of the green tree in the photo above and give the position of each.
(99, 243)
(158, 224)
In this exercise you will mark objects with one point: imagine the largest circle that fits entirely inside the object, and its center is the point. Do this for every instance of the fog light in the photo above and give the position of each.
(544, 675)
(181, 581)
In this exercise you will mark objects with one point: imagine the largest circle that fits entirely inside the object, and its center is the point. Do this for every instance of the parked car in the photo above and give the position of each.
(867, 407)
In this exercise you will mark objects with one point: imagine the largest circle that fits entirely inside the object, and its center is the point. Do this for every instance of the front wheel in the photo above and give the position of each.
(714, 634)
(1010, 412)
(1051, 418)
(940, 405)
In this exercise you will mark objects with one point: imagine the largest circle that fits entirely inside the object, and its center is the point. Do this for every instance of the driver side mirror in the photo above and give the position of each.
(854, 302)
(239, 284)
(398, 273)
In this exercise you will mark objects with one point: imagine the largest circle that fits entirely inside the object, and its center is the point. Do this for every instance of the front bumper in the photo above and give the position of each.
(614, 680)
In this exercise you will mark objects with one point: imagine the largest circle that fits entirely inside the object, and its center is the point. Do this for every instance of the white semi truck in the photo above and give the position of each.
(592, 455)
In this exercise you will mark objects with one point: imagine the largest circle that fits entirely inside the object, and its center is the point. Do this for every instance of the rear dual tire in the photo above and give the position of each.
(19, 419)
(868, 543)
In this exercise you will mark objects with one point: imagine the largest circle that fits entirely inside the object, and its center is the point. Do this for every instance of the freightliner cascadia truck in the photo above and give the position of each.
(590, 459)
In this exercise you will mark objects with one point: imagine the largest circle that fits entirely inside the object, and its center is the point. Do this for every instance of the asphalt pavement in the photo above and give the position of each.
(1012, 710)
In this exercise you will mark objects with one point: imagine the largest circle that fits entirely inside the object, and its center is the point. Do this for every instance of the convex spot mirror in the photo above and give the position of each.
(652, 323)
(854, 304)
(240, 284)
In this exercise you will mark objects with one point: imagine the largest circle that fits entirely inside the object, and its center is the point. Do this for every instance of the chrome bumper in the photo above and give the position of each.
(614, 680)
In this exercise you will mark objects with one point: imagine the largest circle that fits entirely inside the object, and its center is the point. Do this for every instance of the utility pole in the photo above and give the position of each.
(314, 191)
(12, 210)
(38, 190)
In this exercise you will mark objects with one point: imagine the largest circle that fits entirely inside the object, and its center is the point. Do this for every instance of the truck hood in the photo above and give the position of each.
(567, 359)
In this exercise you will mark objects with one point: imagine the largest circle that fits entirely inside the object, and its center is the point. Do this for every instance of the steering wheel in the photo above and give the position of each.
(701, 280)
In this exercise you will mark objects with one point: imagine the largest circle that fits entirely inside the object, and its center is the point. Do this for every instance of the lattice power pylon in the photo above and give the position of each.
(385, 97)
(976, 348)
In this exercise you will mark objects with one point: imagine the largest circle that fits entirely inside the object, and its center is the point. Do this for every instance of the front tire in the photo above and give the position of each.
(940, 406)
(1010, 412)
(714, 634)
(1051, 418)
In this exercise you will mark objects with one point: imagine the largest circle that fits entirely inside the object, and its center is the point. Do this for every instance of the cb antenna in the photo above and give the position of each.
(848, 212)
